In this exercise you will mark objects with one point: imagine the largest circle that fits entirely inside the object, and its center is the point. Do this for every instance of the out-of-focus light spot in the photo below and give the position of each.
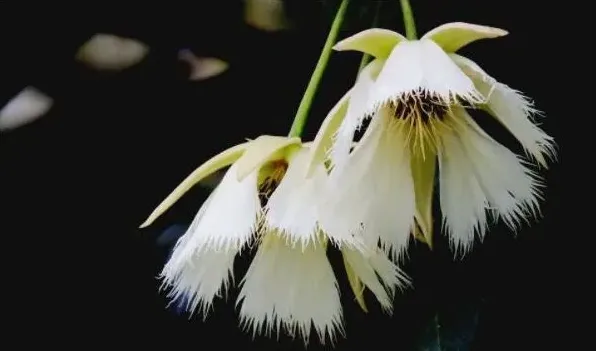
(26, 107)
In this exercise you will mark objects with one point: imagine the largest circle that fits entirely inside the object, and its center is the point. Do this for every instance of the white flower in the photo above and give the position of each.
(290, 284)
(416, 93)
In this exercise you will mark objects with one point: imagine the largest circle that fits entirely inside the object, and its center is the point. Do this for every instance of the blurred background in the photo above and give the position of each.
(76, 183)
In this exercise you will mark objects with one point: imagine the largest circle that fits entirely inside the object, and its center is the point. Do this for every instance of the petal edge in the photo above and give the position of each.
(376, 42)
(217, 162)
(261, 150)
(324, 138)
(454, 36)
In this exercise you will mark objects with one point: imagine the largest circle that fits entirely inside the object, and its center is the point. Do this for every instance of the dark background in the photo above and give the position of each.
(75, 184)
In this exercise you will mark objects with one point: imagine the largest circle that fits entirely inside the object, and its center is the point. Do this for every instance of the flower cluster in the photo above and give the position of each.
(369, 197)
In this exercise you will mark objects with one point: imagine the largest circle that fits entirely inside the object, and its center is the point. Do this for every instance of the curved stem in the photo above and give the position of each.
(306, 102)
(409, 23)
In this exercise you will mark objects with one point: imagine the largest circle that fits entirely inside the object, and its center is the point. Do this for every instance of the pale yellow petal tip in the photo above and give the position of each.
(146, 223)
(156, 213)
(366, 34)
(355, 284)
(453, 36)
(214, 164)
(261, 150)
(377, 42)
(423, 240)
(149, 221)
(499, 32)
(487, 31)
(361, 303)
(423, 236)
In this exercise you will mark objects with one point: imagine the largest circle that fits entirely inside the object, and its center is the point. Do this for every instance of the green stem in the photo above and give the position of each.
(366, 57)
(409, 23)
(306, 102)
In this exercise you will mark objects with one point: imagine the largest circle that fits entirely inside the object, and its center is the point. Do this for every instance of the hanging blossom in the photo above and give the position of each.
(415, 94)
(266, 200)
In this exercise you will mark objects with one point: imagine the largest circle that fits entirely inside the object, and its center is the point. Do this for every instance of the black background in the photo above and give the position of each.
(75, 184)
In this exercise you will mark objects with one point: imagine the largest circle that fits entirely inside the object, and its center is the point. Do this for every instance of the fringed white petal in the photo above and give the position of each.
(228, 219)
(515, 112)
(198, 279)
(463, 202)
(511, 108)
(479, 174)
(421, 67)
(293, 288)
(377, 273)
(292, 208)
(203, 258)
(373, 195)
(355, 115)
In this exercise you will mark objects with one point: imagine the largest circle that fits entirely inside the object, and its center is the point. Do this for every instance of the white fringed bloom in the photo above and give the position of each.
(290, 283)
(416, 92)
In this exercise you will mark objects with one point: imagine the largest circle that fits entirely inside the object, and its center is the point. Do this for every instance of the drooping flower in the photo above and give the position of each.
(266, 199)
(416, 94)
(372, 195)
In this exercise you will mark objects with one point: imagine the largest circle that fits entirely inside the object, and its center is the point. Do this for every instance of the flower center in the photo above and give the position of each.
(271, 176)
(422, 117)
(419, 108)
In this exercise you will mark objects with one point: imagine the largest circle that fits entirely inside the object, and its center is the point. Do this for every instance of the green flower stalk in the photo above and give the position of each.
(313, 84)
(409, 23)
